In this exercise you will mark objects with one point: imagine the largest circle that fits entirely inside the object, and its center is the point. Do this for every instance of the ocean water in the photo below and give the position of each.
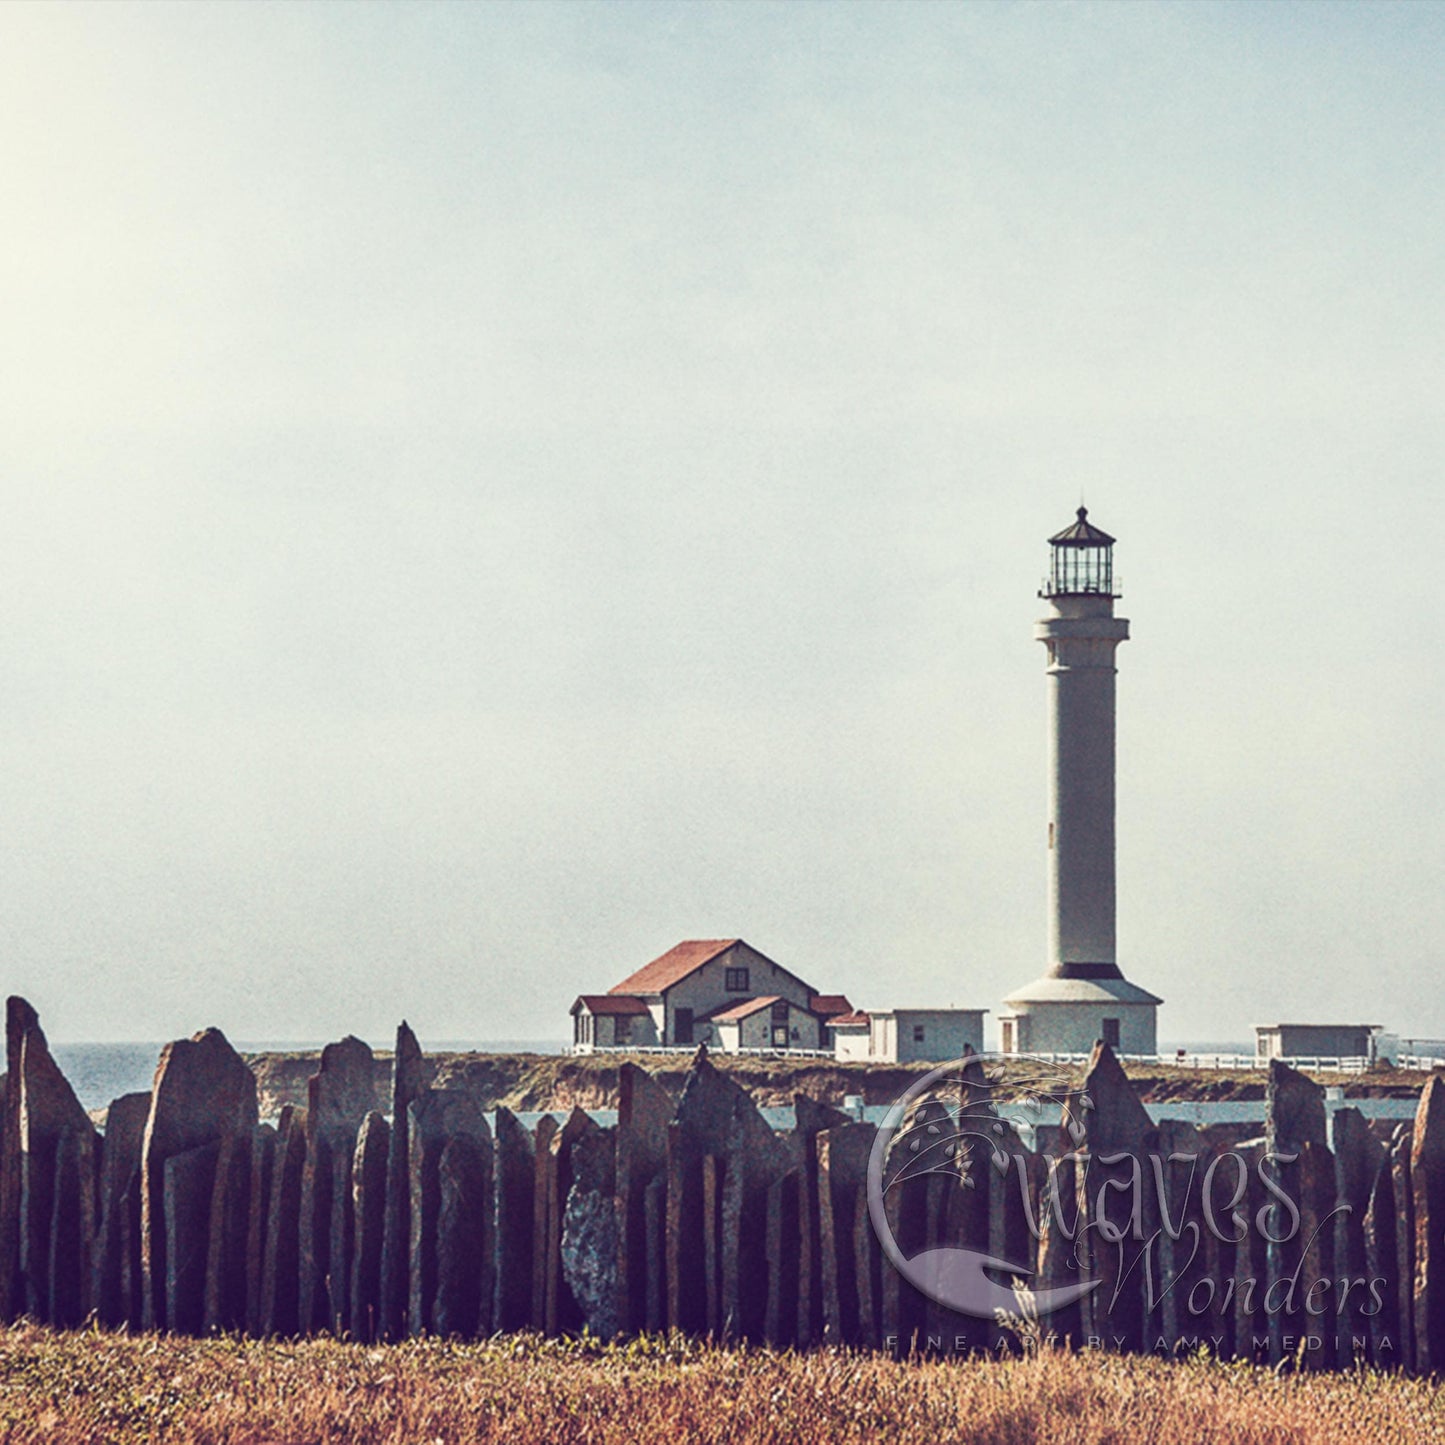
(1168, 1047)
(101, 1072)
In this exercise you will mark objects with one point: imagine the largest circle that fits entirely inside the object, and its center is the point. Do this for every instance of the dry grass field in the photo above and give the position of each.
(98, 1387)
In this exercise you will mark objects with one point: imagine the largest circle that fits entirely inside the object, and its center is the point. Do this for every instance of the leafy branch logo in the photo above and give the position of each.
(957, 1121)
(1142, 1219)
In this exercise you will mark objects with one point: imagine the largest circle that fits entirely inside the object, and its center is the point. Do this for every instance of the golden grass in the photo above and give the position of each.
(100, 1387)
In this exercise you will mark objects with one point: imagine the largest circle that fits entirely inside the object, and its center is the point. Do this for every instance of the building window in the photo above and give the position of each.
(622, 1029)
(917, 1033)
(737, 980)
(780, 1011)
(1111, 1033)
(682, 1026)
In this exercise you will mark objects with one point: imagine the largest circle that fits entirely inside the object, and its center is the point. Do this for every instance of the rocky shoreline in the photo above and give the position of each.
(527, 1082)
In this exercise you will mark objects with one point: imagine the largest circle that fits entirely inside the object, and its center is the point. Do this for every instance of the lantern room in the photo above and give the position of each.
(1083, 561)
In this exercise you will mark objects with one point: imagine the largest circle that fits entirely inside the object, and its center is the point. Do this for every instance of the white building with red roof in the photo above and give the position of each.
(717, 991)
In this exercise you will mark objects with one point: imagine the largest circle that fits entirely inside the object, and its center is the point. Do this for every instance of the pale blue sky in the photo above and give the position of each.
(490, 491)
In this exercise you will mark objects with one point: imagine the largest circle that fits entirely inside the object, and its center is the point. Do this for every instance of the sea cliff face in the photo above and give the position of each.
(283, 1079)
(523, 1082)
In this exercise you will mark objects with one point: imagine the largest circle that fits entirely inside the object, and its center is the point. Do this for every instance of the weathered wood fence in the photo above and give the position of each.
(692, 1213)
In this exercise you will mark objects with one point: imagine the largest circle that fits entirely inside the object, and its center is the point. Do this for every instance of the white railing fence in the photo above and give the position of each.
(1342, 1064)
(1240, 1062)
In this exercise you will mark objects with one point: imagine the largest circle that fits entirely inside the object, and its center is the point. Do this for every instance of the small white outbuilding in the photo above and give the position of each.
(1298, 1041)
(907, 1035)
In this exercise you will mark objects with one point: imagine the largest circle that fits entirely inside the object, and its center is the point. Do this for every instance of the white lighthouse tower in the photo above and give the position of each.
(1082, 996)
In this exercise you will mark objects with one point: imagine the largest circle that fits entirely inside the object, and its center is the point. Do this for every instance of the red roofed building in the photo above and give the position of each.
(852, 1036)
(770, 1022)
(717, 991)
(612, 1021)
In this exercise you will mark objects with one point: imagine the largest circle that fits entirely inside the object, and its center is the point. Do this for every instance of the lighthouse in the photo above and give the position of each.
(1082, 996)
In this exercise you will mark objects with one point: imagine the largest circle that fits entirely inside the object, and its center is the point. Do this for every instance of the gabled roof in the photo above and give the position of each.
(609, 1003)
(674, 965)
(745, 1009)
(829, 1005)
(686, 958)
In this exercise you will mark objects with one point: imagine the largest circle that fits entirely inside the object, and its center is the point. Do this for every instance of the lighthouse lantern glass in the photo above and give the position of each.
(1082, 567)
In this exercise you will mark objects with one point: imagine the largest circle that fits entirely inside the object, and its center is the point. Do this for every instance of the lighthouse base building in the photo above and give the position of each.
(1055, 1015)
